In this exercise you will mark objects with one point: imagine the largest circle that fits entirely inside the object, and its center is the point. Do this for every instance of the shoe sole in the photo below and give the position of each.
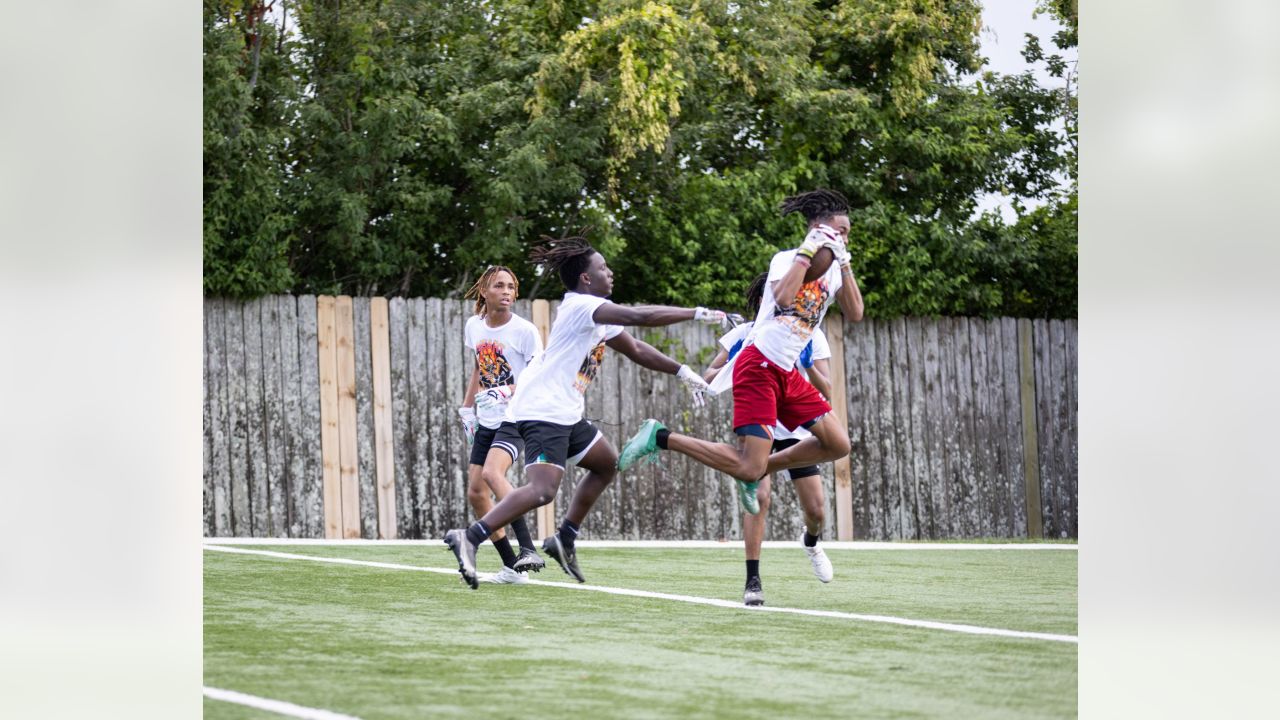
(552, 547)
(451, 539)
(531, 566)
(646, 453)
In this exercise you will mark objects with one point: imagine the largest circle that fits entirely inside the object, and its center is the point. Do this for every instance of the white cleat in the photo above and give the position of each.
(821, 563)
(506, 576)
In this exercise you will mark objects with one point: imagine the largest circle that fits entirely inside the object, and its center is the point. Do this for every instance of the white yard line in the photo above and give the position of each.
(930, 624)
(276, 706)
(673, 544)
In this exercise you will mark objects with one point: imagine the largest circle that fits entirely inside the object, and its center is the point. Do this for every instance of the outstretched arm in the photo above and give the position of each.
(642, 353)
(641, 315)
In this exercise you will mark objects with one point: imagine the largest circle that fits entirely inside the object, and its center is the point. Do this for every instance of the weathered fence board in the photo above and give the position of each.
(366, 460)
(273, 415)
(309, 368)
(934, 407)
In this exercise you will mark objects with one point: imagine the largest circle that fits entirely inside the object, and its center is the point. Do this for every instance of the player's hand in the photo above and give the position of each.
(493, 398)
(697, 386)
(468, 417)
(816, 238)
(840, 250)
(733, 320)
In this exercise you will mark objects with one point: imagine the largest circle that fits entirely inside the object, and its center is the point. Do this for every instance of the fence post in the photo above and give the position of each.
(327, 347)
(1030, 442)
(546, 515)
(839, 403)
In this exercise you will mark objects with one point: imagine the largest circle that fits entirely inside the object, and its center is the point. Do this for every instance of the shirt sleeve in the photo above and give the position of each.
(611, 331)
(468, 332)
(733, 336)
(534, 344)
(780, 264)
(821, 348)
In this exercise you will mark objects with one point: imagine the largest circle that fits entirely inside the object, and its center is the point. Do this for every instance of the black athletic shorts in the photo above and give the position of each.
(796, 472)
(555, 444)
(504, 437)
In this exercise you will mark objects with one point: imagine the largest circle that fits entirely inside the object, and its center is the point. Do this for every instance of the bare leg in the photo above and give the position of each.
(496, 465)
(830, 441)
(812, 503)
(747, 461)
(478, 498)
(544, 481)
(753, 525)
(601, 463)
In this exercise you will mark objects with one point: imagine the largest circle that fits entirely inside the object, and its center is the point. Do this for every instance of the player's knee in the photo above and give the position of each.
(764, 496)
(546, 491)
(839, 446)
(492, 478)
(477, 492)
(751, 469)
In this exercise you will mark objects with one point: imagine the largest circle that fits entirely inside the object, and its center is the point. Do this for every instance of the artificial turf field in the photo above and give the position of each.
(391, 642)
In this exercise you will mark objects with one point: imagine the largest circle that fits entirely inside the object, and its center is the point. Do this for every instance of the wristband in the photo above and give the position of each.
(803, 260)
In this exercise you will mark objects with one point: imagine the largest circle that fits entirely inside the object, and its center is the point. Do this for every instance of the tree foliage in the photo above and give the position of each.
(396, 147)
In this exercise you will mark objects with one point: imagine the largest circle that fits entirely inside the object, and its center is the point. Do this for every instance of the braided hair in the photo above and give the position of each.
(477, 290)
(755, 293)
(567, 255)
(816, 205)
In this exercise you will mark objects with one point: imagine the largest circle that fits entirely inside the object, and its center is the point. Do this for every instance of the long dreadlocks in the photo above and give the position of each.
(477, 290)
(567, 255)
(816, 205)
(755, 293)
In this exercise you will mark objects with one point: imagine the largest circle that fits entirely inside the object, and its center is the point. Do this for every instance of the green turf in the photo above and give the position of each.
(379, 643)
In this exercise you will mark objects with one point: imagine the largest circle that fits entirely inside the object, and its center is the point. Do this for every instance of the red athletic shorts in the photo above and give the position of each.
(764, 394)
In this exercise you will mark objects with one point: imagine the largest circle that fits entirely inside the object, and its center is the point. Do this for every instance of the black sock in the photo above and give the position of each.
(521, 529)
(504, 549)
(568, 533)
(810, 540)
(753, 569)
(478, 533)
(662, 436)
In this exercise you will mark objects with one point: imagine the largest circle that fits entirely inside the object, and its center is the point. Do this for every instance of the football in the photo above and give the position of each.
(821, 263)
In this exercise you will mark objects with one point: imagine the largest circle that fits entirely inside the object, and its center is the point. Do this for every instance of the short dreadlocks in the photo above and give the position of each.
(567, 255)
(486, 277)
(816, 205)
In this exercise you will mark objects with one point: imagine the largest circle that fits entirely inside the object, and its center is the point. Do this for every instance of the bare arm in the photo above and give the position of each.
(717, 364)
(642, 353)
(473, 385)
(786, 287)
(820, 376)
(849, 296)
(641, 315)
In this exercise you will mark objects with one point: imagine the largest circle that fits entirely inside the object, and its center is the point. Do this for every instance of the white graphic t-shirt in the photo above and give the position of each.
(552, 387)
(781, 333)
(502, 353)
(733, 342)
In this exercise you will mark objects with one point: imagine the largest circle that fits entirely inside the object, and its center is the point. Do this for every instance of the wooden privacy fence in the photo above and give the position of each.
(336, 417)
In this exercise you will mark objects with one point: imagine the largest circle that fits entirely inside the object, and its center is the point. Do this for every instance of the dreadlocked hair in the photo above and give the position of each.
(755, 293)
(567, 255)
(816, 204)
(477, 290)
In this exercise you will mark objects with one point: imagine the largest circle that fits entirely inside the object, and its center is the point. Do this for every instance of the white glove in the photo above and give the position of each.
(716, 317)
(468, 417)
(840, 249)
(816, 238)
(493, 398)
(695, 383)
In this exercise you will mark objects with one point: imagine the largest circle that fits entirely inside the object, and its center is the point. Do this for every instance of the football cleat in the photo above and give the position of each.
(466, 554)
(506, 576)
(529, 561)
(753, 595)
(566, 556)
(747, 496)
(644, 444)
(821, 563)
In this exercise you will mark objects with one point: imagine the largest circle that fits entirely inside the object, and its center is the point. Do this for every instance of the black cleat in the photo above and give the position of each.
(753, 595)
(529, 561)
(466, 554)
(566, 556)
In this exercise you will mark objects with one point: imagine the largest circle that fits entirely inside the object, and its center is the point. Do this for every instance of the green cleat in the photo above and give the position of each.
(747, 496)
(644, 444)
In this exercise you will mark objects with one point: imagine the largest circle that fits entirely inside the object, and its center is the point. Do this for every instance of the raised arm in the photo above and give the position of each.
(849, 296)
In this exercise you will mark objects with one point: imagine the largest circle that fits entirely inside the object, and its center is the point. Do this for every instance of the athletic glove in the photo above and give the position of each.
(816, 238)
(695, 383)
(468, 417)
(493, 398)
(716, 317)
(840, 249)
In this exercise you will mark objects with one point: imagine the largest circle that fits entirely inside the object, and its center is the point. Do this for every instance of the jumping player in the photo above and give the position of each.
(548, 410)
(815, 363)
(503, 344)
(767, 387)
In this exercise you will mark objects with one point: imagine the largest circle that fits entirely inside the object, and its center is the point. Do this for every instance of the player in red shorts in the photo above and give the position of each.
(767, 387)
